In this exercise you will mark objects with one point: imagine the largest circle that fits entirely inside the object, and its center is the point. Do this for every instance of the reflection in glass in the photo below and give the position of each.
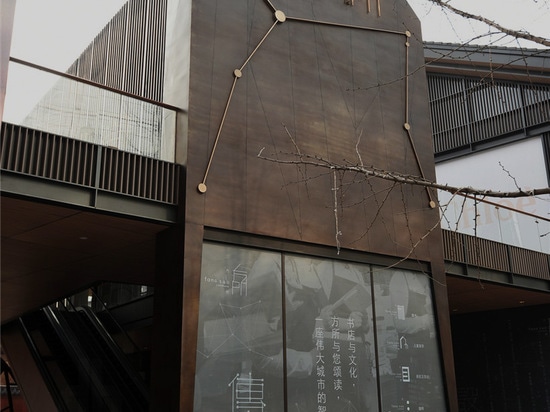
(409, 368)
(329, 341)
(88, 113)
(239, 330)
(343, 340)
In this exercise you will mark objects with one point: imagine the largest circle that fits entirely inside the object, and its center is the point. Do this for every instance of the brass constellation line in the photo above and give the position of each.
(237, 73)
(349, 26)
(280, 17)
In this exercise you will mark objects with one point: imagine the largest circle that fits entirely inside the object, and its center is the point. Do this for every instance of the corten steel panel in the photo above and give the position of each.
(326, 74)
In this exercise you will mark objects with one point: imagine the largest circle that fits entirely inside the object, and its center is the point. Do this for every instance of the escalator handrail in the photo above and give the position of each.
(123, 373)
(54, 392)
(119, 354)
(114, 348)
(70, 342)
(118, 325)
(106, 363)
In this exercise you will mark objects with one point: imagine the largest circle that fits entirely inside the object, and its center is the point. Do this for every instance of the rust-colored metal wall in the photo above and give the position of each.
(334, 78)
(342, 80)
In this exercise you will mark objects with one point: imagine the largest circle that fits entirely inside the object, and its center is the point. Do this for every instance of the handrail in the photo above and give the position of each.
(75, 352)
(107, 338)
(125, 363)
(35, 353)
(118, 325)
(95, 84)
(479, 252)
(89, 165)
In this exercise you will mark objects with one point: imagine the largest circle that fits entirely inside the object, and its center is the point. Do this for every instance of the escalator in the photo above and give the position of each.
(81, 364)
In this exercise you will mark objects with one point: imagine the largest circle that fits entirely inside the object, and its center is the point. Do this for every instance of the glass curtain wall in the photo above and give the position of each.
(288, 332)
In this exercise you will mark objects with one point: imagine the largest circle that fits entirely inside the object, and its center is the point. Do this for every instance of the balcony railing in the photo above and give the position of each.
(64, 105)
(521, 222)
(483, 253)
(467, 111)
(34, 153)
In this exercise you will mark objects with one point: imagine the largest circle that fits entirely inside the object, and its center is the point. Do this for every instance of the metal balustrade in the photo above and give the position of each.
(36, 153)
(478, 252)
(466, 111)
(91, 112)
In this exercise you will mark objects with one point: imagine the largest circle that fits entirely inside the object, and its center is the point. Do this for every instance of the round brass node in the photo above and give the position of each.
(202, 188)
(238, 73)
(432, 204)
(407, 126)
(280, 16)
(408, 33)
(407, 44)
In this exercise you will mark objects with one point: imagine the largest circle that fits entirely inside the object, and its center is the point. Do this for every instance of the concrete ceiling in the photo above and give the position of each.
(50, 251)
(475, 295)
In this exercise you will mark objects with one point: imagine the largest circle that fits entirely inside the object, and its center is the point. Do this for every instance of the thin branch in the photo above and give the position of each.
(514, 33)
(449, 55)
(509, 175)
(357, 148)
(402, 178)
(336, 221)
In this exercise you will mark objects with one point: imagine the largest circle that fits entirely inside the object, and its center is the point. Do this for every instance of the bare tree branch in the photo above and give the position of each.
(371, 171)
(515, 33)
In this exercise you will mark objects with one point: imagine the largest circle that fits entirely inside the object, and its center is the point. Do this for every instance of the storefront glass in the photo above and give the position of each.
(338, 337)
(408, 354)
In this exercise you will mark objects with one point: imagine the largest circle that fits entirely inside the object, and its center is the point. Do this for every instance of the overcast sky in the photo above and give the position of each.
(58, 30)
(532, 16)
(66, 27)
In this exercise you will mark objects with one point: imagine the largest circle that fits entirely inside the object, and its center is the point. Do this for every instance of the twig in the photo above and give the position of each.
(514, 33)
(403, 178)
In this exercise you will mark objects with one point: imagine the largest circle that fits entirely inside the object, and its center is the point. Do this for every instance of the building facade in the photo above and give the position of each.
(490, 111)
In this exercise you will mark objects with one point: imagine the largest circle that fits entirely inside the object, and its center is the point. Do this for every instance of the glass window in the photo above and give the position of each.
(240, 330)
(329, 340)
(340, 340)
(408, 352)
